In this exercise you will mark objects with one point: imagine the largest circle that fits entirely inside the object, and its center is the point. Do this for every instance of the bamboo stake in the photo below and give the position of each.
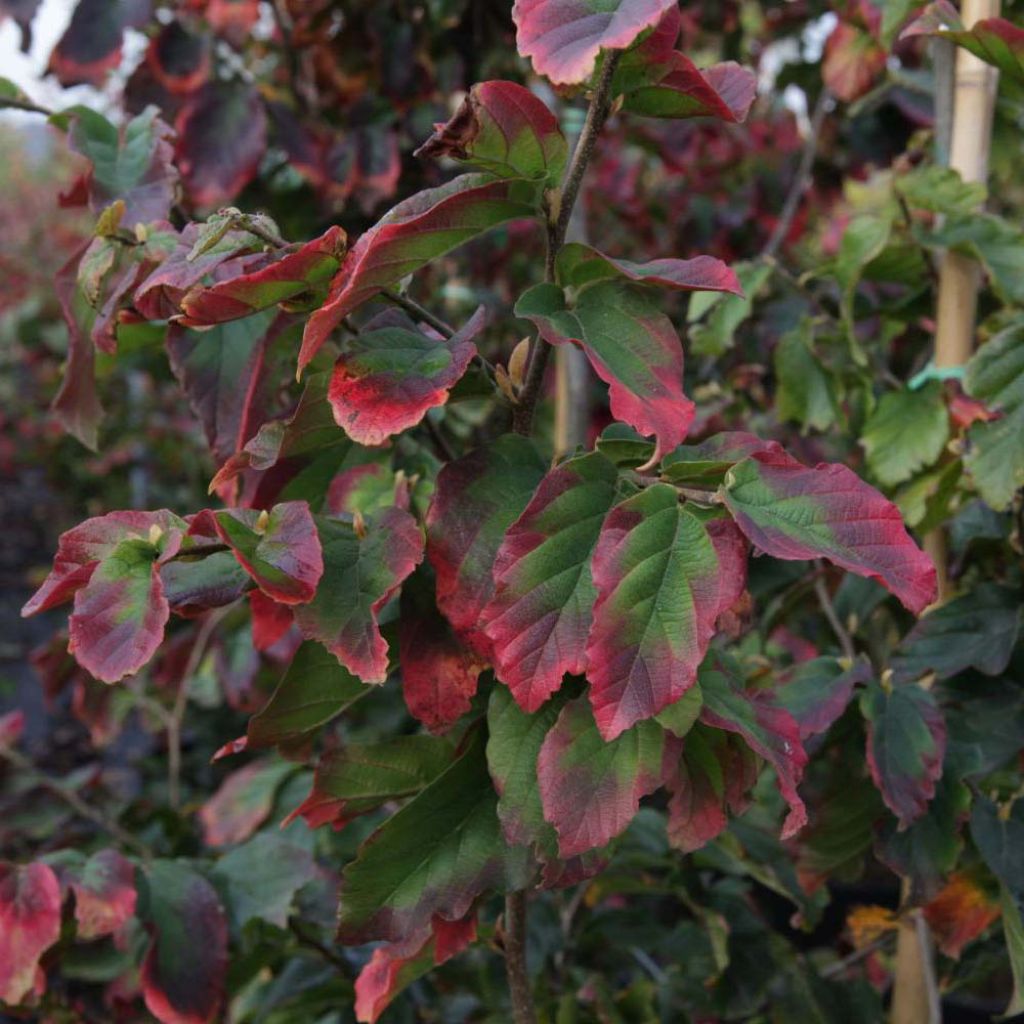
(915, 995)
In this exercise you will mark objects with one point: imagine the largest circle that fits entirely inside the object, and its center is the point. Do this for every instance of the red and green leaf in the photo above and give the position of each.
(418, 230)
(725, 91)
(179, 58)
(477, 499)
(90, 47)
(30, 900)
(564, 38)
(242, 803)
(660, 589)
(961, 912)
(590, 788)
(906, 744)
(362, 571)
(105, 894)
(540, 615)
(392, 373)
(503, 128)
(818, 691)
(792, 511)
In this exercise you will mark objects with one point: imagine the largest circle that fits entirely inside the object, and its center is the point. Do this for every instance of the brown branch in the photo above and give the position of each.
(413, 308)
(558, 225)
(523, 1011)
(827, 608)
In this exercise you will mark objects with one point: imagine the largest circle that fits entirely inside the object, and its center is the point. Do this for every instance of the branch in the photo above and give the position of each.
(24, 103)
(597, 114)
(825, 601)
(523, 1011)
(803, 174)
(74, 801)
(413, 308)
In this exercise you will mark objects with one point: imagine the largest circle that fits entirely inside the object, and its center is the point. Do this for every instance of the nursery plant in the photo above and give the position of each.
(607, 721)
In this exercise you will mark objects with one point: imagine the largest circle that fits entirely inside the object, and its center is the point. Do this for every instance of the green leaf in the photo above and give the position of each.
(1013, 930)
(927, 502)
(995, 458)
(315, 689)
(806, 391)
(865, 237)
(680, 717)
(714, 318)
(906, 433)
(993, 241)
(998, 833)
(940, 190)
(261, 877)
(436, 855)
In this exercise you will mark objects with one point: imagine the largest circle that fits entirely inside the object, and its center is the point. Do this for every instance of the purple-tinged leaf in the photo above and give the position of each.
(363, 568)
(392, 373)
(793, 511)
(416, 231)
(906, 744)
(503, 128)
(540, 615)
(564, 38)
(816, 692)
(660, 589)
(590, 788)
(706, 464)
(90, 47)
(179, 58)
(725, 91)
(29, 924)
(477, 499)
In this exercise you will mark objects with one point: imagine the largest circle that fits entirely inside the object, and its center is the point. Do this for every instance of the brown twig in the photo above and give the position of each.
(523, 1011)
(828, 610)
(413, 308)
(558, 225)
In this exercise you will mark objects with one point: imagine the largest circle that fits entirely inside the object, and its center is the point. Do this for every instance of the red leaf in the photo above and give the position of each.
(29, 924)
(960, 912)
(104, 894)
(91, 44)
(476, 500)
(362, 571)
(416, 231)
(265, 279)
(660, 589)
(853, 61)
(793, 511)
(280, 549)
(396, 965)
(564, 37)
(242, 803)
(222, 135)
(540, 615)
(271, 620)
(178, 58)
(389, 376)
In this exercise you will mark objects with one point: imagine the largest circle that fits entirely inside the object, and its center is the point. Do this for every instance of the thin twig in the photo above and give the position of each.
(412, 307)
(177, 715)
(834, 969)
(255, 226)
(523, 1011)
(825, 601)
(311, 942)
(540, 350)
(440, 441)
(74, 801)
(802, 177)
(16, 103)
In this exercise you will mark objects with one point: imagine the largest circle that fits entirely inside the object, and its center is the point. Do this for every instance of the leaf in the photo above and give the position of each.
(503, 128)
(995, 456)
(179, 58)
(91, 44)
(435, 856)
(565, 38)
(29, 924)
(133, 164)
(994, 40)
(476, 500)
(940, 190)
(906, 743)
(265, 280)
(279, 548)
(819, 690)
(391, 374)
(439, 672)
(907, 432)
(660, 589)
(805, 393)
(579, 267)
(362, 572)
(722, 314)
(792, 511)
(679, 718)
(222, 135)
(632, 347)
(705, 464)
(1013, 931)
(261, 877)
(998, 833)
(852, 62)
(995, 242)
(767, 728)
(977, 630)
(418, 230)
(223, 374)
(195, 585)
(928, 850)
(359, 778)
(725, 91)
(868, 924)
(184, 971)
(104, 894)
(715, 772)
(243, 802)
(313, 691)
(395, 966)
(590, 789)
(540, 615)
(961, 912)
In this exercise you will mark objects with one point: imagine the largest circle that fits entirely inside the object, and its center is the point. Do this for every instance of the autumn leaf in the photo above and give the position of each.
(30, 902)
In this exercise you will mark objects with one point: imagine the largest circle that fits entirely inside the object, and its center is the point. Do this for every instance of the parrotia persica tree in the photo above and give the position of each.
(571, 632)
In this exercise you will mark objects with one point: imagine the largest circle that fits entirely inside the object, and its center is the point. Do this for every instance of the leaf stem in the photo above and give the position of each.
(523, 1011)
(827, 608)
(597, 114)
